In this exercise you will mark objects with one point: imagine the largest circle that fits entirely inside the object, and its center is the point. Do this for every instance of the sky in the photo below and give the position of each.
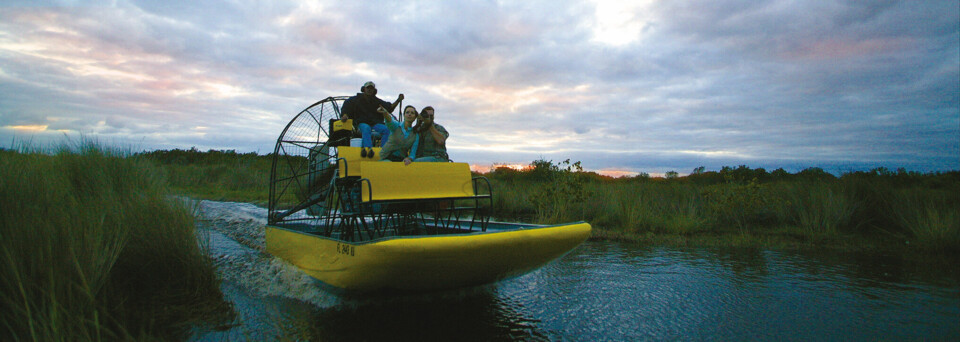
(622, 86)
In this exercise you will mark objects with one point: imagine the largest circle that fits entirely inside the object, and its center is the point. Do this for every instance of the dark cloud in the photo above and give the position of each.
(764, 83)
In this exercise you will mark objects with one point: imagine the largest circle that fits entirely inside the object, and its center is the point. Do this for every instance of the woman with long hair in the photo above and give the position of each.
(403, 142)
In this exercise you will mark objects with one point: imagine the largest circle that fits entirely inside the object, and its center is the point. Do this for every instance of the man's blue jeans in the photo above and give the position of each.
(367, 140)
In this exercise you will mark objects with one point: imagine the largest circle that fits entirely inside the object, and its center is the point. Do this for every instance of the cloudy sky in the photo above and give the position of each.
(623, 86)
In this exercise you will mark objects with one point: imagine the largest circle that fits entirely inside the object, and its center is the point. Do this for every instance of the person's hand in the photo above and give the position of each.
(382, 110)
(407, 161)
(344, 118)
(424, 125)
(400, 98)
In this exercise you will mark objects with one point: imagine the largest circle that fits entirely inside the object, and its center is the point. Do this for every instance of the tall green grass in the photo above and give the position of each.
(811, 206)
(642, 208)
(215, 175)
(817, 208)
(930, 220)
(92, 248)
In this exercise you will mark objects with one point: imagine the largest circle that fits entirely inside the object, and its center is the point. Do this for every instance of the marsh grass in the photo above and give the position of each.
(811, 209)
(510, 200)
(94, 249)
(214, 175)
(650, 207)
(930, 220)
(735, 206)
(817, 208)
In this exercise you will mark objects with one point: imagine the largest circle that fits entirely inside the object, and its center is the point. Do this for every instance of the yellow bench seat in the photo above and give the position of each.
(391, 181)
(353, 160)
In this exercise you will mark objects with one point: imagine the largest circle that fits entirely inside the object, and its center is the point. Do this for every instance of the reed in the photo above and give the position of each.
(653, 207)
(817, 208)
(740, 204)
(743, 205)
(214, 175)
(930, 220)
(511, 200)
(810, 208)
(93, 248)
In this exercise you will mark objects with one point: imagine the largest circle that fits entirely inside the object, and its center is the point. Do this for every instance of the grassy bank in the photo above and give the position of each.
(744, 207)
(93, 248)
(215, 175)
(730, 207)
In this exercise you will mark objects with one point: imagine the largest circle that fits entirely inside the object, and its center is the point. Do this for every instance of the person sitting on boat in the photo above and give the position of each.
(433, 138)
(362, 108)
(402, 145)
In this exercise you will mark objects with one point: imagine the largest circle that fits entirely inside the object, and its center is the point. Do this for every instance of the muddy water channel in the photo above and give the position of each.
(600, 291)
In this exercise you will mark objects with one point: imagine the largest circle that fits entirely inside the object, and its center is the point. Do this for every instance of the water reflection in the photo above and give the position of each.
(614, 291)
(479, 314)
(274, 303)
(605, 291)
(666, 293)
(473, 315)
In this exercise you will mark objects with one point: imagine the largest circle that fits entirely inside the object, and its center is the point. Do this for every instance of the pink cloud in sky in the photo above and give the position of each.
(834, 49)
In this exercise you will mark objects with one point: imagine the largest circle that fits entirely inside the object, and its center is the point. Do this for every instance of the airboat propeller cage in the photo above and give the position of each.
(317, 180)
(303, 160)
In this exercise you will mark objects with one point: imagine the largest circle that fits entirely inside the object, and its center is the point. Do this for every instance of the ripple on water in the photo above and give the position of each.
(600, 291)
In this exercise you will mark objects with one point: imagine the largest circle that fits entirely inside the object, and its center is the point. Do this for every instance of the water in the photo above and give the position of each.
(600, 291)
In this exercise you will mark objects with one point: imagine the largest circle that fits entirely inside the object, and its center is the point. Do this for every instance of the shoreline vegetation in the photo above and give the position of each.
(96, 244)
(879, 209)
(94, 248)
(873, 210)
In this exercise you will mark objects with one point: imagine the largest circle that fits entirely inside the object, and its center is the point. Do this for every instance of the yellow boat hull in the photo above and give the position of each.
(425, 263)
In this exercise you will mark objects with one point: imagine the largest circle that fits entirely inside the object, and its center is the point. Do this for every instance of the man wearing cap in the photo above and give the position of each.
(362, 108)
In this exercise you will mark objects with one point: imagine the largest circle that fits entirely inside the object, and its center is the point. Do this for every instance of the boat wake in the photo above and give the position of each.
(242, 222)
(236, 240)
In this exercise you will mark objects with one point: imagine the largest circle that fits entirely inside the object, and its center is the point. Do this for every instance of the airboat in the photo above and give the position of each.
(357, 224)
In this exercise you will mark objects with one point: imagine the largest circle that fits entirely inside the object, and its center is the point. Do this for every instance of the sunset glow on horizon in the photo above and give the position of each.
(624, 87)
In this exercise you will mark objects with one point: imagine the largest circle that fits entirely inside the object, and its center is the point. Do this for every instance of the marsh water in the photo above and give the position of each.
(599, 291)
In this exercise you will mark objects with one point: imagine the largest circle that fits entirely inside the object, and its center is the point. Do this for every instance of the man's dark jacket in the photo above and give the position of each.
(363, 109)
